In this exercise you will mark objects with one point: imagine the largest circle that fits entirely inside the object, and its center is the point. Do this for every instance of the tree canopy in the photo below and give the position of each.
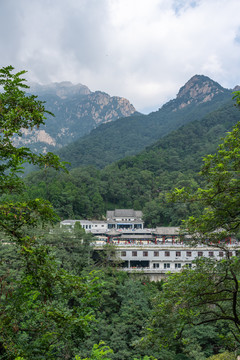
(41, 304)
(208, 293)
(220, 196)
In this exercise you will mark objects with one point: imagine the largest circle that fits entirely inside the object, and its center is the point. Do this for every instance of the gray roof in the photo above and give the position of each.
(137, 237)
(68, 222)
(113, 232)
(167, 230)
(124, 213)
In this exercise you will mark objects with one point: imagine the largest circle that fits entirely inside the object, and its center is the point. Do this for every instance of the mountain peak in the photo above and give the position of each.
(236, 88)
(198, 89)
(62, 89)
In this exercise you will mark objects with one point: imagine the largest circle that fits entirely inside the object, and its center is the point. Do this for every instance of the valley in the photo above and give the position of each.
(63, 292)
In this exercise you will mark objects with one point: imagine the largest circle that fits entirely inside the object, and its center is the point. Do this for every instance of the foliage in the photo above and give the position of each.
(42, 305)
(142, 181)
(47, 305)
(206, 294)
(99, 352)
(209, 292)
(224, 356)
(128, 136)
(220, 196)
(17, 113)
(122, 315)
(72, 248)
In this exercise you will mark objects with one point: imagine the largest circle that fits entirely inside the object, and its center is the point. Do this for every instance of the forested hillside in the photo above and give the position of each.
(141, 181)
(59, 301)
(128, 136)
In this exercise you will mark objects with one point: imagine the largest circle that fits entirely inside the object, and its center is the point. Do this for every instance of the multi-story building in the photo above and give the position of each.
(125, 219)
(150, 251)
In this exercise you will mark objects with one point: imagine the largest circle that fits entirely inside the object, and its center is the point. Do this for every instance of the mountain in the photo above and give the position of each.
(77, 111)
(128, 136)
(198, 90)
(139, 181)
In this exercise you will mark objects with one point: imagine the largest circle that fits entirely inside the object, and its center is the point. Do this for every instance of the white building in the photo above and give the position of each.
(150, 251)
(127, 219)
(93, 226)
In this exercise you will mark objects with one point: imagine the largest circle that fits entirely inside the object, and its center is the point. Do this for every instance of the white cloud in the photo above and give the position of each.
(143, 50)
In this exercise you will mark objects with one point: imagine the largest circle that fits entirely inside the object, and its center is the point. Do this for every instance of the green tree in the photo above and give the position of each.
(73, 248)
(41, 304)
(99, 352)
(194, 299)
(220, 197)
(208, 293)
(224, 356)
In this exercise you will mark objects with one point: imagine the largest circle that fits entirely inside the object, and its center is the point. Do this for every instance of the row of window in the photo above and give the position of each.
(91, 226)
(178, 253)
(168, 265)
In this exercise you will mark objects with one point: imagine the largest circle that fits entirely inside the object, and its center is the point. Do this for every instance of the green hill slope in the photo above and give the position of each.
(113, 141)
(141, 181)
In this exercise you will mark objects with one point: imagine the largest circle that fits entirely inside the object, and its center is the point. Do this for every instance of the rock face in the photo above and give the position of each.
(77, 111)
(199, 89)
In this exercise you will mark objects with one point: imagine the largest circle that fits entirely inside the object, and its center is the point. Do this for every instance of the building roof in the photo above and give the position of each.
(124, 213)
(137, 237)
(68, 222)
(113, 232)
(167, 230)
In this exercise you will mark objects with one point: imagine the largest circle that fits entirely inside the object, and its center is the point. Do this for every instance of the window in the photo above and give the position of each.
(134, 253)
(189, 265)
(167, 253)
(123, 253)
(210, 253)
(178, 266)
(155, 265)
(145, 253)
(90, 226)
(166, 266)
(156, 253)
(200, 253)
(189, 253)
(220, 253)
(230, 253)
(178, 253)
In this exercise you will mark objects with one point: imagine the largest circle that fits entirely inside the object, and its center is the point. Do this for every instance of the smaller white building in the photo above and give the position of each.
(93, 226)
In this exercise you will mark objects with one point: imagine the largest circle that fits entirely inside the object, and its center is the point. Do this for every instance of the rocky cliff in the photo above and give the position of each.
(77, 111)
(198, 90)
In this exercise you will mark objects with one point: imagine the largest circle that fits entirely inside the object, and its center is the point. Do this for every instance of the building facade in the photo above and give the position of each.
(149, 251)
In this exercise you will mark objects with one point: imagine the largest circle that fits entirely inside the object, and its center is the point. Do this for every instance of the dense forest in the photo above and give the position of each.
(110, 311)
(58, 300)
(128, 136)
(140, 182)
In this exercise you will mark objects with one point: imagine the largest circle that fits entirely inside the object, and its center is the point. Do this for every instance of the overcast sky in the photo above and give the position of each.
(144, 50)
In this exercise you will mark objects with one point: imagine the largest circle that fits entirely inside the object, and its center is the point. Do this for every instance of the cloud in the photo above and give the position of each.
(10, 41)
(180, 6)
(144, 50)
